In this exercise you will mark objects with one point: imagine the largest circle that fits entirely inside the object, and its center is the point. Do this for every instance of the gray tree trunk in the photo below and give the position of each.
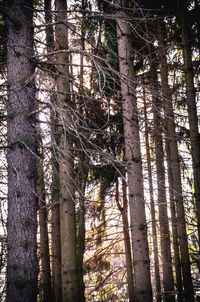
(22, 266)
(143, 291)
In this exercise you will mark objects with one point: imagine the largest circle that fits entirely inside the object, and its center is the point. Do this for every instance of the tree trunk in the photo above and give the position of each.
(143, 291)
(191, 107)
(168, 281)
(173, 160)
(83, 162)
(55, 185)
(177, 261)
(83, 171)
(22, 266)
(123, 210)
(55, 225)
(45, 272)
(69, 269)
(45, 282)
(153, 216)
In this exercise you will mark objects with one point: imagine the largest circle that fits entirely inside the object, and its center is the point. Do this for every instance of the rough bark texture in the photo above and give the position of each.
(191, 107)
(141, 263)
(174, 166)
(22, 267)
(168, 281)
(69, 269)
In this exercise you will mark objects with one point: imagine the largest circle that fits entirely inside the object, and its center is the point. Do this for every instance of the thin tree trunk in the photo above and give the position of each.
(177, 262)
(174, 166)
(69, 269)
(22, 266)
(55, 185)
(55, 225)
(191, 107)
(123, 210)
(81, 223)
(168, 281)
(143, 291)
(45, 283)
(83, 165)
(153, 216)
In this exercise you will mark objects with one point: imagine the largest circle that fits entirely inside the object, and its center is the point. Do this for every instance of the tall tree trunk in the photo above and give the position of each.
(69, 269)
(45, 279)
(168, 281)
(124, 212)
(84, 161)
(174, 166)
(22, 266)
(45, 283)
(153, 216)
(191, 107)
(177, 261)
(55, 185)
(143, 291)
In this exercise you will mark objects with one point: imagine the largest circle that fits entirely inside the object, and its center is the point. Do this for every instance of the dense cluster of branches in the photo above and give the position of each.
(100, 162)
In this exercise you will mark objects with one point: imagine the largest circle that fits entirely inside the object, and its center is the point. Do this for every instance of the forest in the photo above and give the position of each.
(99, 151)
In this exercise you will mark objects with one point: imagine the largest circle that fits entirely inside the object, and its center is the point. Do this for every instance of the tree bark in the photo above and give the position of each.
(174, 166)
(22, 266)
(168, 281)
(83, 174)
(45, 282)
(143, 291)
(55, 185)
(69, 268)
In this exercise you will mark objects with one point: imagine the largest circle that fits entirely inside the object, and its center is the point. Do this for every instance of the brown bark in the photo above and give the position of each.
(141, 263)
(69, 265)
(168, 281)
(123, 210)
(174, 173)
(22, 266)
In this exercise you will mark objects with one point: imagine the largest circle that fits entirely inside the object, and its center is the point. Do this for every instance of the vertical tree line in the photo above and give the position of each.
(100, 175)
